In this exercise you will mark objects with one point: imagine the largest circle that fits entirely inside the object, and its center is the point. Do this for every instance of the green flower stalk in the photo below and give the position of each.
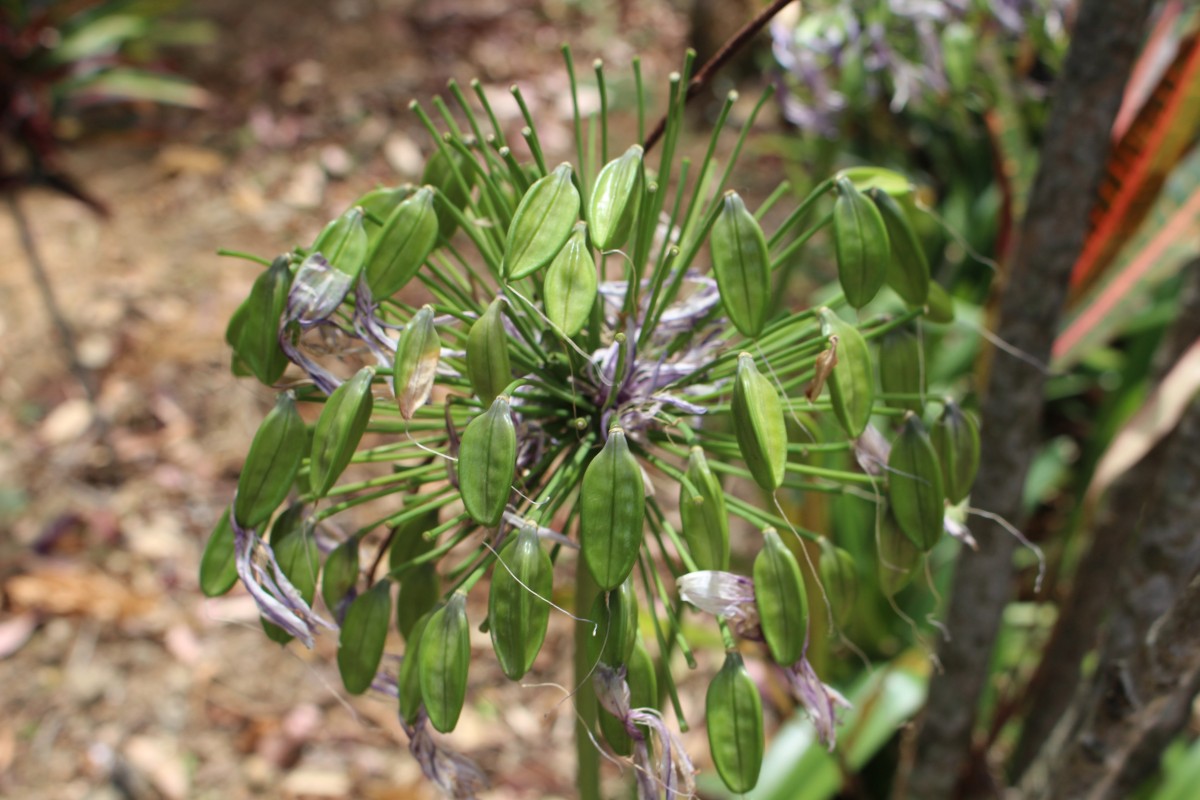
(548, 344)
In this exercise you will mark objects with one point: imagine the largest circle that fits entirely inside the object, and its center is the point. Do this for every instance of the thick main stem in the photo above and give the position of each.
(1078, 138)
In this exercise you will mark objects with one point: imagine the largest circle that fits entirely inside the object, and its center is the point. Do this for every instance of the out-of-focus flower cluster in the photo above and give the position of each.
(841, 55)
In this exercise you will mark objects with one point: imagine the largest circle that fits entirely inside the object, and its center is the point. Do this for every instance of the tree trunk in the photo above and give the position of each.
(1113, 736)
(1078, 137)
(1134, 501)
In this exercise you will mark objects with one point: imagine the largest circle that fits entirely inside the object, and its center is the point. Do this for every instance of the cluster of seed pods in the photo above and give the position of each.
(583, 345)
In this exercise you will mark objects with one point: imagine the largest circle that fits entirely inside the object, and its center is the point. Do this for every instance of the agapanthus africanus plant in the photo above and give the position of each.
(598, 353)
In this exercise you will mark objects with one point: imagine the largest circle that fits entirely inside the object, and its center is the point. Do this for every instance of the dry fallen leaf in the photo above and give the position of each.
(62, 589)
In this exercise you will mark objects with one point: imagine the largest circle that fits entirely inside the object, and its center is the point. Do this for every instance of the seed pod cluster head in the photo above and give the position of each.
(588, 358)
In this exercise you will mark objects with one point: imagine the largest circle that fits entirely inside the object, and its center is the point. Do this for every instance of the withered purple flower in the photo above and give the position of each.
(277, 599)
(723, 594)
(822, 702)
(662, 766)
(452, 772)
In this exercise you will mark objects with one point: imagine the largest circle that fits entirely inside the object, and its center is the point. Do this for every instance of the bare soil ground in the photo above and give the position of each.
(117, 678)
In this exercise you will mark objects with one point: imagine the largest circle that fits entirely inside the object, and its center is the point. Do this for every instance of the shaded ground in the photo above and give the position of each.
(117, 679)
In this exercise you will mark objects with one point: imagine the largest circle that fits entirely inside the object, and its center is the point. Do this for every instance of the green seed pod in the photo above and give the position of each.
(643, 693)
(915, 484)
(851, 384)
(363, 634)
(861, 241)
(616, 616)
(741, 265)
(518, 617)
(569, 291)
(705, 521)
(955, 439)
(488, 366)
(939, 305)
(444, 658)
(541, 223)
(254, 330)
(487, 461)
(839, 577)
(344, 243)
(339, 429)
(612, 501)
(407, 239)
(271, 465)
(733, 716)
(900, 368)
(420, 586)
(886, 180)
(378, 204)
(409, 541)
(898, 557)
(908, 268)
(758, 424)
(420, 590)
(613, 206)
(340, 575)
(782, 601)
(440, 174)
(218, 565)
(298, 557)
(408, 683)
(415, 366)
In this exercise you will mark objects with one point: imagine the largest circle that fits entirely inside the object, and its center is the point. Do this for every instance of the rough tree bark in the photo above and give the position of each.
(1112, 738)
(1135, 504)
(1103, 46)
